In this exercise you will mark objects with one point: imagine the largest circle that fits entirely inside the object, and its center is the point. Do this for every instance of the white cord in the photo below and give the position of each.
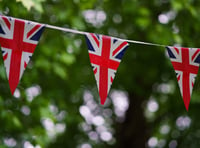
(85, 33)
(66, 29)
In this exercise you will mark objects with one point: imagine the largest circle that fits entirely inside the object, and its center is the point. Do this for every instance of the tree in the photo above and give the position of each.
(57, 104)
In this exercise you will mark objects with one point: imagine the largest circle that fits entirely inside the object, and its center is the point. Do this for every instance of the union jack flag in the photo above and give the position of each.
(186, 65)
(105, 55)
(18, 39)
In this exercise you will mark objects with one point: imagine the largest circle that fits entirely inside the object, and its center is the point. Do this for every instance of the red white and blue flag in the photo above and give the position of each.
(186, 65)
(105, 55)
(18, 40)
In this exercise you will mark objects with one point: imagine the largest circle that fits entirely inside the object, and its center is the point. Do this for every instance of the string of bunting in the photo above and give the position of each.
(19, 38)
(85, 33)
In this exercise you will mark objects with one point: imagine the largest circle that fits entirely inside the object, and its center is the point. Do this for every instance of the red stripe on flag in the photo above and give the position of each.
(11, 44)
(25, 65)
(95, 71)
(5, 56)
(111, 79)
(98, 60)
(119, 48)
(186, 79)
(7, 22)
(178, 78)
(176, 50)
(186, 90)
(185, 67)
(16, 56)
(95, 39)
(103, 82)
(194, 55)
(33, 30)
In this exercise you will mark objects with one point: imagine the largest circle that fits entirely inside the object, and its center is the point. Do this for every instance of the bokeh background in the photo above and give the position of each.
(56, 104)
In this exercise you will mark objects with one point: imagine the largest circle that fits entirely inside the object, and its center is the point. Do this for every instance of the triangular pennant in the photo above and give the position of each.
(105, 55)
(18, 40)
(186, 65)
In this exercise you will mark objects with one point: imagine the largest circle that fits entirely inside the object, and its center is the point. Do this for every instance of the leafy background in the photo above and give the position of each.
(56, 103)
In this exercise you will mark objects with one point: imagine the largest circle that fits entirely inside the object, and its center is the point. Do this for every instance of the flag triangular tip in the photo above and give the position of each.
(12, 90)
(103, 100)
(186, 106)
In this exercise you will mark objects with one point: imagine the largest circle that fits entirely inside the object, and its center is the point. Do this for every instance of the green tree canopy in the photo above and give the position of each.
(56, 103)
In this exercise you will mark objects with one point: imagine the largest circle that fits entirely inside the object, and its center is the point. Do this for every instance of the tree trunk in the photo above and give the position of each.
(133, 132)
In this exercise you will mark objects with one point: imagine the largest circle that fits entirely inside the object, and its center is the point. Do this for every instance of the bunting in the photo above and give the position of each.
(186, 65)
(18, 40)
(105, 56)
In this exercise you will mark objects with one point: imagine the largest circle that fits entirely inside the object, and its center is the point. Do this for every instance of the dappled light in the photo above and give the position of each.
(95, 17)
(120, 102)
(173, 144)
(27, 144)
(183, 122)
(85, 145)
(53, 129)
(117, 18)
(25, 110)
(95, 120)
(152, 142)
(164, 129)
(106, 136)
(152, 105)
(10, 142)
(32, 92)
(57, 102)
(17, 93)
(163, 19)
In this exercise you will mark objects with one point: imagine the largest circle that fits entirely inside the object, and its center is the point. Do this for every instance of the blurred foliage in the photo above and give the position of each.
(57, 104)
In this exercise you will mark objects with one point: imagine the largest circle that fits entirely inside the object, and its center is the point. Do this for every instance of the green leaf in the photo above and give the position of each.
(60, 71)
(37, 4)
(67, 59)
